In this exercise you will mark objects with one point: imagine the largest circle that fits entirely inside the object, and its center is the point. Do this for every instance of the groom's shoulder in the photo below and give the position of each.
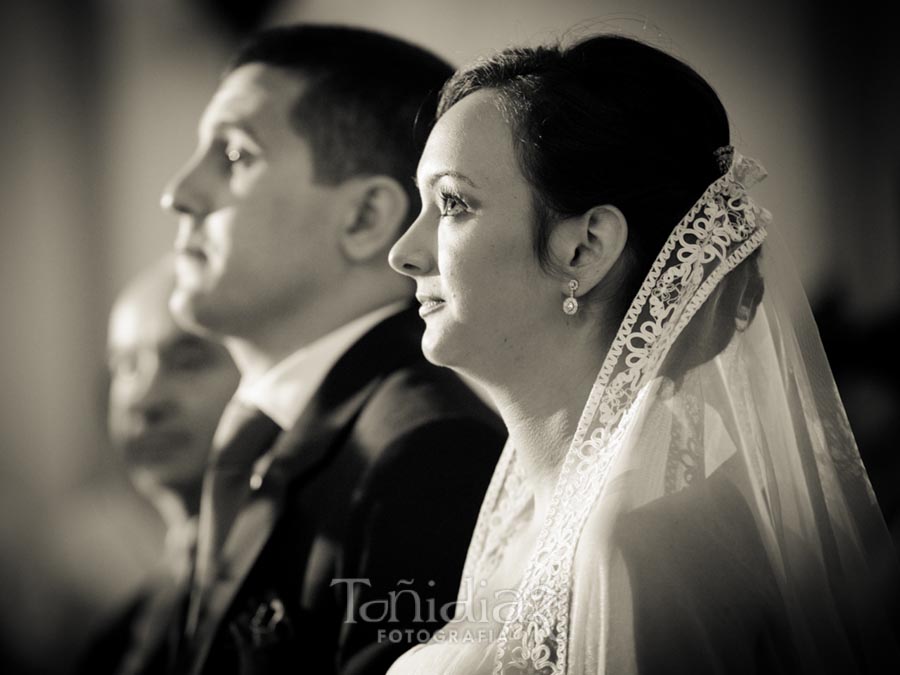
(426, 422)
(423, 405)
(420, 393)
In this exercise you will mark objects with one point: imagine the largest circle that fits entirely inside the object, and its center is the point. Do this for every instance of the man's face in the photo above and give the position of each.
(167, 389)
(256, 238)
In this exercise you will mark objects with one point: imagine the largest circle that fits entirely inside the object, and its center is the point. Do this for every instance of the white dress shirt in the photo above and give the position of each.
(284, 391)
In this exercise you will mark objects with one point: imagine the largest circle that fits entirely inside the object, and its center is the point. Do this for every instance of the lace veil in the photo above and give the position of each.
(713, 487)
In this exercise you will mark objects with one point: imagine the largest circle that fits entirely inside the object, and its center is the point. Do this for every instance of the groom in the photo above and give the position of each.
(346, 472)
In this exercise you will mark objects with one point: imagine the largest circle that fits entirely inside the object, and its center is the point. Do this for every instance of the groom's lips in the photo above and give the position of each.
(195, 253)
(429, 304)
(191, 263)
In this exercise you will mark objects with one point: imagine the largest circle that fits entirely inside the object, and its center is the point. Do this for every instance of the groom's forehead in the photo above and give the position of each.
(254, 95)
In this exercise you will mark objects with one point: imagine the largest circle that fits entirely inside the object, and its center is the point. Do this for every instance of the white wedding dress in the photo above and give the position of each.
(712, 514)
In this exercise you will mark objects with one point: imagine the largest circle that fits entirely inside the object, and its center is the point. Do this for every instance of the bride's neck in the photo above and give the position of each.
(540, 407)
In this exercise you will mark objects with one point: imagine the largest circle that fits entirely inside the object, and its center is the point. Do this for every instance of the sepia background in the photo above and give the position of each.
(100, 103)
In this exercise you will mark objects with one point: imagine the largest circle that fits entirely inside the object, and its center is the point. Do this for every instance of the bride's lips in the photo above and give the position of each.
(429, 304)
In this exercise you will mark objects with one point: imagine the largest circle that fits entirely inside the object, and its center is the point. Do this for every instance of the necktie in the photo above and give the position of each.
(244, 433)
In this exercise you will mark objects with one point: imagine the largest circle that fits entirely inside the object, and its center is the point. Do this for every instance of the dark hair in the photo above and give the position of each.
(609, 120)
(369, 102)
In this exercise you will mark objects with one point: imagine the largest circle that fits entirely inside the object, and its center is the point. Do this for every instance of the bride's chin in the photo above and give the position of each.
(436, 348)
(432, 353)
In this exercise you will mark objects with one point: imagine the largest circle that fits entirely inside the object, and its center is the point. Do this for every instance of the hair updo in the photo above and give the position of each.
(609, 120)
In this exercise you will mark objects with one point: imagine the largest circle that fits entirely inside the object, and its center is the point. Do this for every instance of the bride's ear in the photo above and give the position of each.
(586, 247)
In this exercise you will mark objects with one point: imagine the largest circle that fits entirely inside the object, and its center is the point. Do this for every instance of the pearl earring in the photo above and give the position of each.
(570, 304)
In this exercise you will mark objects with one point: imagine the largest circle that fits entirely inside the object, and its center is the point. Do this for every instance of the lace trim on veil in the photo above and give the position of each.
(721, 230)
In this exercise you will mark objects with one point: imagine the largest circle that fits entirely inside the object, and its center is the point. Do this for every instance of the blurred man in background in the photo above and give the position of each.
(168, 388)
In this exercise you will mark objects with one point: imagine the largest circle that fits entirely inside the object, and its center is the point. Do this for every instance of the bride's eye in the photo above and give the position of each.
(451, 204)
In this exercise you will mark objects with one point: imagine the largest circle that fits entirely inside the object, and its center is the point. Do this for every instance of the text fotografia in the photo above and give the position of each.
(406, 605)
(451, 635)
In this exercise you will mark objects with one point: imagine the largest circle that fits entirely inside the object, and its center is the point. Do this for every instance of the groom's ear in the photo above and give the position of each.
(374, 218)
(586, 247)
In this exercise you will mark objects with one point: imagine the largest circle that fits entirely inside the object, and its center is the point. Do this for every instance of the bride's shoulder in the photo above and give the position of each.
(710, 515)
(451, 655)
(692, 573)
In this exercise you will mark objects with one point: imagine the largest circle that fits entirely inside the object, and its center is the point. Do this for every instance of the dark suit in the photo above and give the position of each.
(378, 484)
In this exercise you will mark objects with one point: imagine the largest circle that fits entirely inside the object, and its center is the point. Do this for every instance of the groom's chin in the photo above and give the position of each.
(192, 311)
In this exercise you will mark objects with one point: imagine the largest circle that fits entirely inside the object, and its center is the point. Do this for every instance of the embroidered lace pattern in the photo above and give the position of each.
(504, 501)
(720, 231)
(686, 459)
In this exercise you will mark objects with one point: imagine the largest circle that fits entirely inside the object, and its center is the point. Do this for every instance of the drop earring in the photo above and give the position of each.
(570, 304)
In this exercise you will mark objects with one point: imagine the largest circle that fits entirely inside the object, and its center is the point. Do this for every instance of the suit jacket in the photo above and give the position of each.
(343, 557)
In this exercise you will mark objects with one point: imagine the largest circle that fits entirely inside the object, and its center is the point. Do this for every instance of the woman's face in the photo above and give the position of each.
(484, 298)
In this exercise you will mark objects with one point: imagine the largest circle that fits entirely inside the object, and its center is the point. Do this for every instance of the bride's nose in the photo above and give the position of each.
(413, 254)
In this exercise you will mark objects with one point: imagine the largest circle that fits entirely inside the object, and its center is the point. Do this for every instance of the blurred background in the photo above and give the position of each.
(100, 104)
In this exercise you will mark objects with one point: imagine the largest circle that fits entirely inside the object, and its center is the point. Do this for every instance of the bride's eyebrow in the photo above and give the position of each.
(434, 178)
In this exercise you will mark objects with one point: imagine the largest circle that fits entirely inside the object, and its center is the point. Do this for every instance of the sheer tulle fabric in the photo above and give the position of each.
(712, 513)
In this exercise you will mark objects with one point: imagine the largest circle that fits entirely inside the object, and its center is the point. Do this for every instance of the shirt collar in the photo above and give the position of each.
(284, 391)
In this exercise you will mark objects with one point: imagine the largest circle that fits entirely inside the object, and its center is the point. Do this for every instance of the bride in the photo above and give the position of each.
(680, 491)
